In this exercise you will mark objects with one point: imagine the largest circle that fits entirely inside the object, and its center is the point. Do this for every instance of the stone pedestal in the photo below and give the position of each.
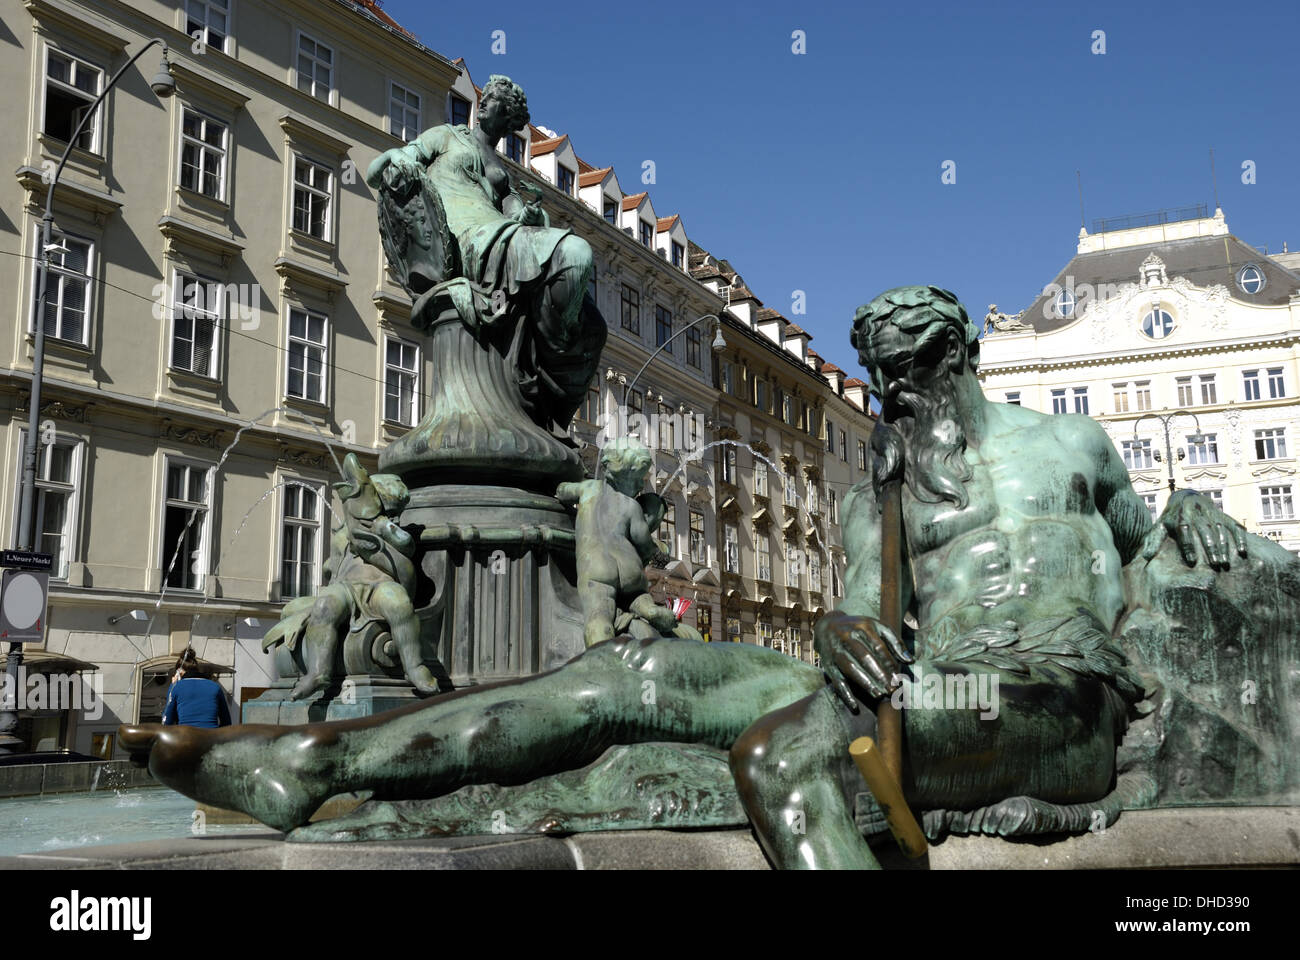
(354, 696)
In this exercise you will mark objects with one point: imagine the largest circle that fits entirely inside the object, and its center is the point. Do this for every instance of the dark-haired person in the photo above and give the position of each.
(195, 700)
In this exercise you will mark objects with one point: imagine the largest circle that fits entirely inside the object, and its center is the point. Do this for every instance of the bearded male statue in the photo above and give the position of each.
(1026, 545)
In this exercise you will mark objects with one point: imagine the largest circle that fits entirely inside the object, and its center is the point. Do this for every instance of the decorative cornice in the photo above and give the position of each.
(181, 236)
(300, 132)
(97, 203)
(210, 89)
(57, 409)
(194, 435)
(301, 458)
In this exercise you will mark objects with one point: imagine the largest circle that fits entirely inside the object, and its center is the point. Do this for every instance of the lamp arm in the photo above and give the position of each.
(628, 386)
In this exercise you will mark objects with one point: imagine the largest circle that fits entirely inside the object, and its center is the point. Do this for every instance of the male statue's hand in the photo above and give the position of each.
(860, 649)
(1191, 517)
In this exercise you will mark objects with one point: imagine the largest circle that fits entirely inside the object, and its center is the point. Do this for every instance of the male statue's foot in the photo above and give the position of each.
(422, 678)
(307, 684)
(257, 769)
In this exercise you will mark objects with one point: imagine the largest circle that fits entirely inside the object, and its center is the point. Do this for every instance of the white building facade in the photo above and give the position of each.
(1173, 323)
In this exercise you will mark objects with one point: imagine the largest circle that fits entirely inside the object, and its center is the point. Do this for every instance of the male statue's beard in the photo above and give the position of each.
(934, 445)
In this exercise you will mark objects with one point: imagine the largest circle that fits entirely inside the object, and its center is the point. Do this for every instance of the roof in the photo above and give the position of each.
(634, 201)
(592, 178)
(584, 166)
(374, 7)
(1202, 260)
(854, 382)
(829, 367)
(543, 147)
(666, 223)
(794, 330)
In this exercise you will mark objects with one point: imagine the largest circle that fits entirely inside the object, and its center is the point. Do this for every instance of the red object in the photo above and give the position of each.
(680, 606)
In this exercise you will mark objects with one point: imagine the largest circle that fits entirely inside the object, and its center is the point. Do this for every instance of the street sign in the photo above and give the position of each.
(23, 597)
(26, 560)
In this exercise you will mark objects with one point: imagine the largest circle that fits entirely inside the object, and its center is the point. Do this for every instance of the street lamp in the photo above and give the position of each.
(1166, 419)
(163, 86)
(719, 344)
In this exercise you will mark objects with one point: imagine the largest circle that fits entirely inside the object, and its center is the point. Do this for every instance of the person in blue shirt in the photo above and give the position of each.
(195, 700)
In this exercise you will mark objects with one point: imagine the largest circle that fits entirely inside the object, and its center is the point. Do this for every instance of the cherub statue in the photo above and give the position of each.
(615, 540)
(369, 579)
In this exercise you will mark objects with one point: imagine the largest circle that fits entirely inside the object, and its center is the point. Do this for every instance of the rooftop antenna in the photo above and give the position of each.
(1214, 180)
(1079, 177)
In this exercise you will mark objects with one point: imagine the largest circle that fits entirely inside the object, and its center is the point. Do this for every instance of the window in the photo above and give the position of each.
(667, 427)
(1150, 500)
(764, 633)
(307, 353)
(814, 571)
(1203, 448)
(58, 472)
(208, 22)
(1142, 394)
(663, 327)
(830, 436)
(862, 455)
(793, 563)
(760, 478)
(1157, 324)
(1184, 391)
(459, 111)
(763, 553)
(1275, 503)
(1249, 385)
(1276, 383)
(404, 112)
(787, 408)
(71, 87)
(67, 291)
(1250, 278)
(564, 179)
(733, 629)
(678, 255)
(731, 539)
(727, 377)
(634, 404)
(693, 347)
(647, 234)
(196, 312)
(704, 623)
(1058, 401)
(203, 155)
(1137, 454)
(315, 68)
(312, 189)
(1121, 397)
(760, 395)
(668, 530)
(1013, 398)
(832, 513)
(300, 538)
(1064, 304)
(1270, 444)
(844, 446)
(515, 148)
(590, 409)
(699, 549)
(610, 212)
(729, 465)
(1215, 495)
(813, 506)
(1209, 393)
(401, 382)
(185, 526)
(790, 495)
(631, 310)
(1080, 399)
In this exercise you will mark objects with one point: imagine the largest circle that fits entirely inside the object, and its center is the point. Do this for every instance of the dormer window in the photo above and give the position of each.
(1065, 304)
(515, 148)
(1158, 324)
(611, 211)
(678, 255)
(564, 179)
(1250, 279)
(647, 234)
(459, 111)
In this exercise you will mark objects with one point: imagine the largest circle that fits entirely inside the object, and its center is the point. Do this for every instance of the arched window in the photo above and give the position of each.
(1250, 278)
(1158, 324)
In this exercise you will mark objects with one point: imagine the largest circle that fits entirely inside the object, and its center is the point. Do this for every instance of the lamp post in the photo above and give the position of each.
(1166, 419)
(719, 344)
(163, 86)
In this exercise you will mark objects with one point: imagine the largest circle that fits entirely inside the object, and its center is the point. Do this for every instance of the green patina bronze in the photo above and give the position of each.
(1064, 657)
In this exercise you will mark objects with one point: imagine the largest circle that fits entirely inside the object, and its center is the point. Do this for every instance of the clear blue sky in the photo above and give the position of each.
(821, 171)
